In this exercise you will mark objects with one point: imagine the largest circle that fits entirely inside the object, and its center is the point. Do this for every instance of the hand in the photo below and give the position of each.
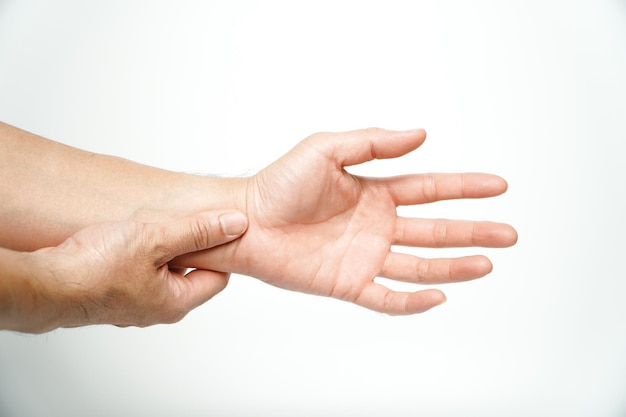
(317, 229)
(118, 273)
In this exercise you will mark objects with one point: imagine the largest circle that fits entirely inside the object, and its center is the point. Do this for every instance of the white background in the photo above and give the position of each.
(532, 90)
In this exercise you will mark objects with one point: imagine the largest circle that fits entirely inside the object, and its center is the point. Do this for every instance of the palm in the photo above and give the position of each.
(328, 224)
(315, 228)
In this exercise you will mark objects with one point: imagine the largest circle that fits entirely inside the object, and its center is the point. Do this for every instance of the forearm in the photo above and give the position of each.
(49, 191)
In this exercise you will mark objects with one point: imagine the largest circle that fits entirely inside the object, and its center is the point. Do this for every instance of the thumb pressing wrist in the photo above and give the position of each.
(233, 223)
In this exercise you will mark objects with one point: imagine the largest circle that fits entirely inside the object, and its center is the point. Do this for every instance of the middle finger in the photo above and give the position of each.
(442, 233)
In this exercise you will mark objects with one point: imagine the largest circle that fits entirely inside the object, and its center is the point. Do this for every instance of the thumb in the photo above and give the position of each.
(194, 233)
(358, 146)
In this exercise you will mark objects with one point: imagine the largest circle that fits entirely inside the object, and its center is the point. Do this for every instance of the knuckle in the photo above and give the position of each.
(429, 188)
(422, 271)
(174, 307)
(388, 301)
(450, 274)
(474, 235)
(155, 241)
(201, 232)
(315, 137)
(169, 313)
(373, 131)
(463, 186)
(440, 233)
(174, 316)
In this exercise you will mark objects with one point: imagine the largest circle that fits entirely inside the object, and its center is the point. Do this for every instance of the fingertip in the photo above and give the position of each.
(233, 223)
(483, 265)
(424, 300)
(438, 297)
(503, 184)
(444, 299)
(419, 135)
(494, 185)
(392, 144)
(510, 235)
(498, 235)
(468, 268)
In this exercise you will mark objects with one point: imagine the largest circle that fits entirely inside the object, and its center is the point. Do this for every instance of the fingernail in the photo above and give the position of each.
(233, 223)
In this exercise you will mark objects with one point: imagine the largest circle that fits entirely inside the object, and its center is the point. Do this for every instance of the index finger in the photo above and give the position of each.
(427, 188)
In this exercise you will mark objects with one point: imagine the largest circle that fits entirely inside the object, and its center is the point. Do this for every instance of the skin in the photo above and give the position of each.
(313, 227)
(317, 229)
(114, 273)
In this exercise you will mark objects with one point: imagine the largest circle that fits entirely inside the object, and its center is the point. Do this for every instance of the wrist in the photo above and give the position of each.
(189, 194)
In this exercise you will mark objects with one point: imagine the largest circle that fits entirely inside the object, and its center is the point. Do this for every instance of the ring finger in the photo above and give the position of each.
(409, 268)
